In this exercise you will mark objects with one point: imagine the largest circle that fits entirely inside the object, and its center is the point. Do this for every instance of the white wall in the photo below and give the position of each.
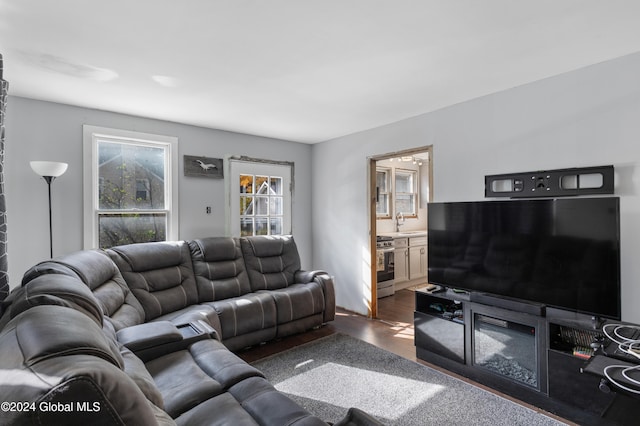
(37, 130)
(589, 117)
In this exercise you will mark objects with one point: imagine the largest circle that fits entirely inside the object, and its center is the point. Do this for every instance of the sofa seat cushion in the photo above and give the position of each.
(221, 410)
(298, 301)
(182, 383)
(260, 399)
(190, 377)
(136, 370)
(245, 314)
(221, 364)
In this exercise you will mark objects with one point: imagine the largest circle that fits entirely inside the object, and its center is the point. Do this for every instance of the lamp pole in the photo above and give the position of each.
(50, 179)
(49, 170)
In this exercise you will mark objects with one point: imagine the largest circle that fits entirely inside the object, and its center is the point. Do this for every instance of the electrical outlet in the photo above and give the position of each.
(208, 210)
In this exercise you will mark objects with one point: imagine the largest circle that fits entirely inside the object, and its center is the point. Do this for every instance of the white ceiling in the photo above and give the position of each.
(301, 70)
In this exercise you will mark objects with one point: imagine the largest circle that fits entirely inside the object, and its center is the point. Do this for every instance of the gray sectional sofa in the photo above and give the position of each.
(143, 334)
(251, 290)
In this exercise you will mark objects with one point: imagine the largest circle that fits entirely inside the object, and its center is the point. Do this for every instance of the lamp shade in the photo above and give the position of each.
(49, 168)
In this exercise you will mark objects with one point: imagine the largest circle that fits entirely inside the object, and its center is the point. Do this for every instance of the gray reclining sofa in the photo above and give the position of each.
(143, 334)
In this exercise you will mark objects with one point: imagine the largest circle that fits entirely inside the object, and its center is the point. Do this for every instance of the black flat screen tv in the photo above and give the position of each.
(563, 253)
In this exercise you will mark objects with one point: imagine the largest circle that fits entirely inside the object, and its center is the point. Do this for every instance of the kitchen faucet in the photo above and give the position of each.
(399, 216)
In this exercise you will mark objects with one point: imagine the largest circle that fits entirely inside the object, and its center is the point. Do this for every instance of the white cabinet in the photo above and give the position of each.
(410, 258)
(401, 259)
(417, 257)
(417, 262)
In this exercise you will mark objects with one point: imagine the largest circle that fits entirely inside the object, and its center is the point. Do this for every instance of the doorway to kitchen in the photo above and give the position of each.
(401, 186)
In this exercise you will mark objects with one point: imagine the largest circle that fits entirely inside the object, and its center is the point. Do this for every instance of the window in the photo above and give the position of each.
(143, 190)
(406, 193)
(383, 198)
(261, 210)
(130, 187)
(260, 195)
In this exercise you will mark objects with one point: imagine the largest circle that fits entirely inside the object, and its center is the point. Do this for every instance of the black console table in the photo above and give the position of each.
(528, 351)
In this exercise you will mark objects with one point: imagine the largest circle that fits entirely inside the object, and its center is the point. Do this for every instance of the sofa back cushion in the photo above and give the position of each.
(47, 331)
(98, 272)
(219, 268)
(159, 274)
(271, 261)
(58, 290)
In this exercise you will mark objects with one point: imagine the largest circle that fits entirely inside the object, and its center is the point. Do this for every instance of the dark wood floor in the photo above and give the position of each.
(392, 331)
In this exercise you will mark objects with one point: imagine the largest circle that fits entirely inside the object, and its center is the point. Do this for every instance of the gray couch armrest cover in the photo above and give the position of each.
(148, 335)
(307, 276)
(328, 289)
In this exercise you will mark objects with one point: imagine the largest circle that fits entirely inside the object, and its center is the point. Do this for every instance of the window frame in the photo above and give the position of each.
(91, 182)
(415, 178)
(389, 192)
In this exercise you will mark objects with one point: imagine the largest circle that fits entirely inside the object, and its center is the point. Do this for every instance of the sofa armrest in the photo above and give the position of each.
(328, 288)
(148, 335)
(153, 339)
(307, 276)
(326, 281)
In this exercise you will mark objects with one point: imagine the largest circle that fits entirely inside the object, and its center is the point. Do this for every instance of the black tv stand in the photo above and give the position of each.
(508, 303)
(597, 323)
(539, 354)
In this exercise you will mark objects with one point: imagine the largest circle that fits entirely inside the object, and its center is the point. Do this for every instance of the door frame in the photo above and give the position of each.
(371, 190)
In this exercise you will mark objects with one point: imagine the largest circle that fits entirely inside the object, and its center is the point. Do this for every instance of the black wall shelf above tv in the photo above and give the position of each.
(551, 183)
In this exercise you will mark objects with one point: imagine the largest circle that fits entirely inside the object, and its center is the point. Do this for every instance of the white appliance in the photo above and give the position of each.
(385, 266)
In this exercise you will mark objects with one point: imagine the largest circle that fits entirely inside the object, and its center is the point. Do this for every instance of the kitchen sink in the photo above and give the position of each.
(409, 233)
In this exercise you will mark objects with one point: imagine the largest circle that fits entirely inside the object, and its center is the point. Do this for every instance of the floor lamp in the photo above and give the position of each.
(49, 170)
